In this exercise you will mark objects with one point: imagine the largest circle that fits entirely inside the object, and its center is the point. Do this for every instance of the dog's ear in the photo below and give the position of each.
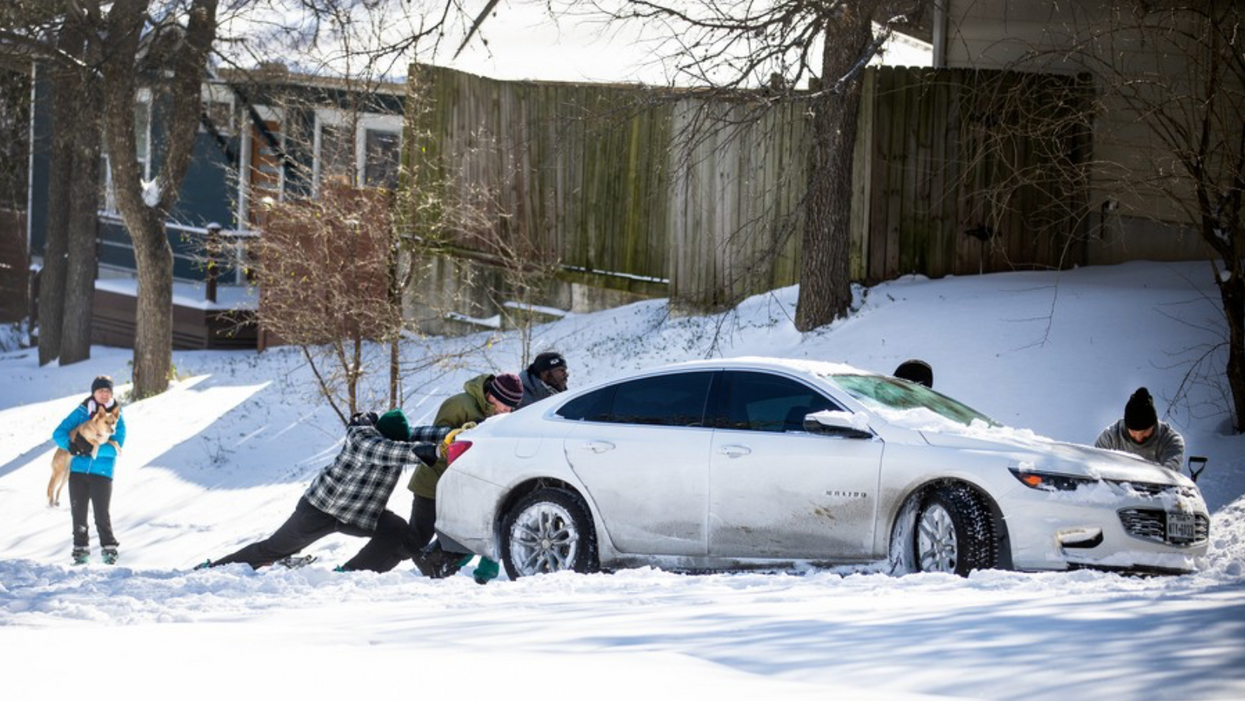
(116, 410)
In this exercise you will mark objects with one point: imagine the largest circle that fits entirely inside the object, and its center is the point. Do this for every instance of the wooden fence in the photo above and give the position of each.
(699, 196)
(14, 267)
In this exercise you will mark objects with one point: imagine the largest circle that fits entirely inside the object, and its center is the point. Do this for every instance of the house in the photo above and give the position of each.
(1133, 215)
(264, 134)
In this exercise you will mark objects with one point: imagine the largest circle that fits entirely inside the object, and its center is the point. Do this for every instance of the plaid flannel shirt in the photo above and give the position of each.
(356, 487)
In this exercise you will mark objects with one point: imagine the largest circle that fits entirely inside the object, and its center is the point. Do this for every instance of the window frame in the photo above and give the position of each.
(720, 399)
(613, 389)
(108, 199)
(366, 121)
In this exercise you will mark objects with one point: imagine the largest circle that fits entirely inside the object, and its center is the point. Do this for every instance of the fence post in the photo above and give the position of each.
(213, 245)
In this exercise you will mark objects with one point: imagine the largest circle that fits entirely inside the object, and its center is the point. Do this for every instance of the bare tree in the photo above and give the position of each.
(332, 264)
(57, 34)
(324, 267)
(176, 39)
(1170, 83)
(784, 46)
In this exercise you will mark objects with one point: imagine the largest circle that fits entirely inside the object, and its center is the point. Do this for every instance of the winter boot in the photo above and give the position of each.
(81, 556)
(436, 563)
(110, 555)
(486, 571)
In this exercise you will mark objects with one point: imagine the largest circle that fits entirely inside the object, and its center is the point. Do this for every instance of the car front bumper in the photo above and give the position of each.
(1098, 528)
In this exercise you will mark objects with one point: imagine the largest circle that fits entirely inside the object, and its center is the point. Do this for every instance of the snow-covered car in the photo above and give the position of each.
(761, 462)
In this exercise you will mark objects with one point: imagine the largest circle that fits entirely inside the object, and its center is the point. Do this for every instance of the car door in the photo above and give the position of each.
(777, 491)
(642, 453)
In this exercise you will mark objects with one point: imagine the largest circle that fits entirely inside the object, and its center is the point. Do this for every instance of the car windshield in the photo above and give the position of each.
(900, 395)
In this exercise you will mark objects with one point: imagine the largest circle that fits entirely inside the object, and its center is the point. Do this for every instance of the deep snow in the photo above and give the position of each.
(221, 459)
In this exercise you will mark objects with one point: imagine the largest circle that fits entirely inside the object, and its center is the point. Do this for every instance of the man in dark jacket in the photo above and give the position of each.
(349, 496)
(1141, 433)
(545, 377)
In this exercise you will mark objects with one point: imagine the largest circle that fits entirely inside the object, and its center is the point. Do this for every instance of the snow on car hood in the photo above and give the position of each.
(1028, 449)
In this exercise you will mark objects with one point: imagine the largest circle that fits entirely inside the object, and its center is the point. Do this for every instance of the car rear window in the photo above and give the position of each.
(665, 400)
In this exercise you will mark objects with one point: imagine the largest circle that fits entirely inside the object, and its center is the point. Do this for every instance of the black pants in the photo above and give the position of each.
(94, 491)
(308, 524)
(423, 523)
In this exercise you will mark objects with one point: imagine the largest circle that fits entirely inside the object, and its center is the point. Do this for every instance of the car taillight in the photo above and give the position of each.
(455, 449)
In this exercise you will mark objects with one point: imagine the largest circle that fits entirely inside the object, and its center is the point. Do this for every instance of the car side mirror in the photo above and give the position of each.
(837, 423)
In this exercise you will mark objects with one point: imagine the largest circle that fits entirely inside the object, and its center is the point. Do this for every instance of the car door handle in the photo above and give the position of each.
(734, 451)
(599, 446)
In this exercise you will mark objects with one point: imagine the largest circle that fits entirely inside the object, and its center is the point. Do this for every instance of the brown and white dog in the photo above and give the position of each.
(88, 436)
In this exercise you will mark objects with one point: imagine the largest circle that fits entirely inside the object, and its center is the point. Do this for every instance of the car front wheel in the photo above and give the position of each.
(548, 530)
(954, 532)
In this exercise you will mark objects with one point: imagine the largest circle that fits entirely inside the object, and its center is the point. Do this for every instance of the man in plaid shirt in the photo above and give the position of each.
(349, 496)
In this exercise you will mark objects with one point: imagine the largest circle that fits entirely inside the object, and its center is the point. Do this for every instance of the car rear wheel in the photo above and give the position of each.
(548, 530)
(954, 532)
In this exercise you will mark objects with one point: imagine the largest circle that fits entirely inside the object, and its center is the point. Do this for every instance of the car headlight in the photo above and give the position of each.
(1049, 481)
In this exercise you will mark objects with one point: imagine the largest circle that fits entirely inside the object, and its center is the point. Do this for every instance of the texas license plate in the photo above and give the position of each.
(1181, 526)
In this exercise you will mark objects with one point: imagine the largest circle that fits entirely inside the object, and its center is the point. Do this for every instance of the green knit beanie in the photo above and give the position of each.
(393, 426)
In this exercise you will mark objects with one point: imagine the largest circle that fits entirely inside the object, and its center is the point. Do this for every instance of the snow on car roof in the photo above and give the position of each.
(801, 365)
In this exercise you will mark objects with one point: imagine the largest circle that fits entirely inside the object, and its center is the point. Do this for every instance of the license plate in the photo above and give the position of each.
(1181, 526)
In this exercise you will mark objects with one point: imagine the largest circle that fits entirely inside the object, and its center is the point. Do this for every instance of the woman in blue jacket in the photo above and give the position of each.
(90, 479)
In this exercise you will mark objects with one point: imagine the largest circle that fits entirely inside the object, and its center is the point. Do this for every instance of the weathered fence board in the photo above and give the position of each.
(703, 193)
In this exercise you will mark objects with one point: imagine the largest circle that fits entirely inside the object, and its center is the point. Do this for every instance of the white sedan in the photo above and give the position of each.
(762, 462)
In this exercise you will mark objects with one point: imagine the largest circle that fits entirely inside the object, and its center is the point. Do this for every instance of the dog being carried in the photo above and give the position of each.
(83, 440)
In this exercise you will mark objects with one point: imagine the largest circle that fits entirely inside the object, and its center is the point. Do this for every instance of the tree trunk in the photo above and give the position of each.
(825, 283)
(55, 246)
(84, 187)
(145, 219)
(153, 337)
(1232, 292)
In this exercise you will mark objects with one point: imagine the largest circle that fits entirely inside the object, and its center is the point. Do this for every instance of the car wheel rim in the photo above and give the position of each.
(543, 539)
(936, 545)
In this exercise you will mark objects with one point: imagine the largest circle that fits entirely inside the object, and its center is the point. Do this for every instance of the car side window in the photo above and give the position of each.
(757, 401)
(665, 400)
(594, 406)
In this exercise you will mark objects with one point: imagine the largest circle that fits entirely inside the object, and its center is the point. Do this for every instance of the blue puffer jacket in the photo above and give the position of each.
(104, 457)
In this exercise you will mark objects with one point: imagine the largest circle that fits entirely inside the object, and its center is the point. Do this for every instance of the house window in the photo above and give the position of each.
(142, 148)
(336, 155)
(220, 115)
(380, 169)
(359, 149)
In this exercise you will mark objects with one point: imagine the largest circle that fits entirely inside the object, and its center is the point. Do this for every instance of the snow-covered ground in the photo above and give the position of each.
(221, 459)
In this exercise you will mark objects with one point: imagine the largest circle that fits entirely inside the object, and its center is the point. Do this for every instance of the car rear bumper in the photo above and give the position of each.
(470, 526)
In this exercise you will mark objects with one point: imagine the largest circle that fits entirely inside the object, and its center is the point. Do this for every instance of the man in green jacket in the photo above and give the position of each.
(482, 396)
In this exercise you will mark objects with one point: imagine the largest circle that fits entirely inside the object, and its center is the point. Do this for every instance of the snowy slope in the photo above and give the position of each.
(221, 459)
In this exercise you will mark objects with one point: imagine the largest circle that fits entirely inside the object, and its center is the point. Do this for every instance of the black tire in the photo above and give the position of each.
(548, 530)
(954, 532)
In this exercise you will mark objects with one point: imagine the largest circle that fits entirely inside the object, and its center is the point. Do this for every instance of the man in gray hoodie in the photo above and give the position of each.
(1141, 433)
(545, 377)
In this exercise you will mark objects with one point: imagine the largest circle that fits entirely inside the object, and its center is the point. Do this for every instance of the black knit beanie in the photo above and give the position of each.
(546, 361)
(1139, 413)
(101, 382)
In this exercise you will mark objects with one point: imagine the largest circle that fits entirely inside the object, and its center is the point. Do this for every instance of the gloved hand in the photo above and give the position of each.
(443, 448)
(75, 450)
(426, 452)
(368, 418)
